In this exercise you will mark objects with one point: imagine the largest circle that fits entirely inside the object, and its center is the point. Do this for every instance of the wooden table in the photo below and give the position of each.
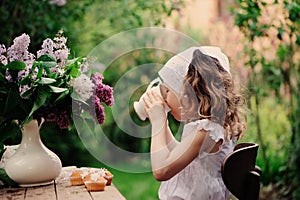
(60, 190)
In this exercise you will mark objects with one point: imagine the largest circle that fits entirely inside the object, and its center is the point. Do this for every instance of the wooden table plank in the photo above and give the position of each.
(41, 193)
(67, 192)
(110, 192)
(12, 193)
(61, 189)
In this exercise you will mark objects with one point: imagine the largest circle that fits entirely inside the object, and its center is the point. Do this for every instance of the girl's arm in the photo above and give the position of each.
(171, 140)
(167, 162)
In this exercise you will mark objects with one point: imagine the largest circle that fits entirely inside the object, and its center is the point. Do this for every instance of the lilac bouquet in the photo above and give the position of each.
(46, 85)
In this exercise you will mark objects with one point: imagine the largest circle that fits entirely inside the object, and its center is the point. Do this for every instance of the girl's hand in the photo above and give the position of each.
(154, 106)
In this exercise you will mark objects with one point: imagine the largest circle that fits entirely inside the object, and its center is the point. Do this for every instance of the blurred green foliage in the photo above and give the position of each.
(39, 19)
(274, 87)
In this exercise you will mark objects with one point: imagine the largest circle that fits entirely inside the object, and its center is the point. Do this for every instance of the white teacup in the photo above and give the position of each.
(139, 106)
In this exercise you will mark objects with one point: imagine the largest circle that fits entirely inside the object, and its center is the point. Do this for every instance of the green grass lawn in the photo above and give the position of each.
(136, 186)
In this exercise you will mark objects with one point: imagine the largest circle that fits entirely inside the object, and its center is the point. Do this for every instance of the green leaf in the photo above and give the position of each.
(40, 100)
(40, 72)
(48, 64)
(8, 129)
(2, 77)
(11, 101)
(27, 120)
(76, 97)
(2, 150)
(46, 57)
(85, 124)
(16, 65)
(73, 66)
(45, 64)
(62, 96)
(26, 80)
(28, 92)
(5, 178)
(280, 33)
(75, 72)
(74, 62)
(57, 89)
(46, 81)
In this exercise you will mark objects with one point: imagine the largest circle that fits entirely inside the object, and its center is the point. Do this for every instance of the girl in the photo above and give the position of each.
(206, 102)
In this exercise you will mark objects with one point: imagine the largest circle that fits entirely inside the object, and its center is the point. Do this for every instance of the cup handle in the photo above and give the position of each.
(156, 80)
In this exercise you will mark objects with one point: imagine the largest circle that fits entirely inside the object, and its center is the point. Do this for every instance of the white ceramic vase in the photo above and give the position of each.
(33, 163)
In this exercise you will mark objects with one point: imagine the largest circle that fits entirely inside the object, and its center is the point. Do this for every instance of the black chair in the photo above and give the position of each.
(240, 173)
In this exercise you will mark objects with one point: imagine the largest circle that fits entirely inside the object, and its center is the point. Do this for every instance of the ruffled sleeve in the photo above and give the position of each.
(216, 131)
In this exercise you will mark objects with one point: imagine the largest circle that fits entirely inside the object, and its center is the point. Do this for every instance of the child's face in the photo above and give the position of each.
(172, 100)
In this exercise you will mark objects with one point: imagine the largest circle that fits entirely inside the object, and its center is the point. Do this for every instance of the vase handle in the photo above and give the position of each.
(42, 121)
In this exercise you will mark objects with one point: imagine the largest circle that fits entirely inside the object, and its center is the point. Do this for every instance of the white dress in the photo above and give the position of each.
(201, 179)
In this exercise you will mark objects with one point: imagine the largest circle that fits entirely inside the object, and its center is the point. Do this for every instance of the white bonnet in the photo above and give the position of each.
(174, 71)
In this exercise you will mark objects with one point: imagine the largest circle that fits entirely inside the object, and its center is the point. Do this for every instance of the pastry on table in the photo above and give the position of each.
(76, 177)
(95, 182)
(105, 174)
(108, 176)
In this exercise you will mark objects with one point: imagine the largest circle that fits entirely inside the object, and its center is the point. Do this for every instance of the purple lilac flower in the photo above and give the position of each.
(63, 120)
(105, 94)
(102, 91)
(55, 115)
(97, 78)
(51, 117)
(99, 109)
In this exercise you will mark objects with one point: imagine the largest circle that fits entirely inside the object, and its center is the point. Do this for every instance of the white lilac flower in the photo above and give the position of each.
(23, 89)
(58, 2)
(84, 67)
(60, 42)
(57, 70)
(3, 60)
(19, 49)
(2, 49)
(24, 73)
(30, 60)
(8, 77)
(61, 51)
(47, 48)
(83, 86)
(61, 54)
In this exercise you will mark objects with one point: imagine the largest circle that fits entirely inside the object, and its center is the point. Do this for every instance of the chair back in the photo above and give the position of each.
(240, 174)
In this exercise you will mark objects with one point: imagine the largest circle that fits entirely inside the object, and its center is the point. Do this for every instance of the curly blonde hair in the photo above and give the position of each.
(209, 90)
